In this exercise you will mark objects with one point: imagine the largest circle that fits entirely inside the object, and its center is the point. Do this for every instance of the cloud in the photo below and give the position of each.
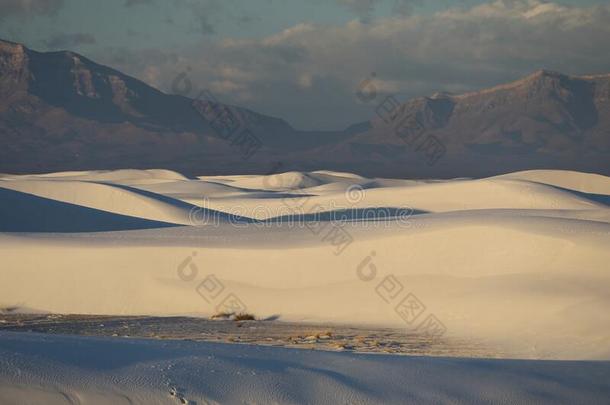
(309, 73)
(205, 13)
(362, 8)
(405, 7)
(69, 41)
(131, 3)
(365, 9)
(28, 8)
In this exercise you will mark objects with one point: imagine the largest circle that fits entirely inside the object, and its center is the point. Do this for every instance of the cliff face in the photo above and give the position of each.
(13, 68)
(62, 111)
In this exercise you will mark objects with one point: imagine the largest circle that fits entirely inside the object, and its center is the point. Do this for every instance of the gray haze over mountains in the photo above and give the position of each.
(61, 111)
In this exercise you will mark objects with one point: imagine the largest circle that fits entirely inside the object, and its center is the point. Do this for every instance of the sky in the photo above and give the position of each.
(304, 60)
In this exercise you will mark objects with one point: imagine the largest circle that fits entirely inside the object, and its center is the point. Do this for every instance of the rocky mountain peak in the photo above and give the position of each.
(546, 73)
(13, 67)
(10, 47)
(56, 106)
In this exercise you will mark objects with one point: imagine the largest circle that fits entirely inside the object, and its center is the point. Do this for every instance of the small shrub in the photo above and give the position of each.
(244, 317)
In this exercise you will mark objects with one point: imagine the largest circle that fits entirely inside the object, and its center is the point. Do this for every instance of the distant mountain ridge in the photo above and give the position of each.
(61, 111)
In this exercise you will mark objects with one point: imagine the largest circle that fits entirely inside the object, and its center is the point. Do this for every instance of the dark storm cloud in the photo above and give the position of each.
(68, 41)
(205, 12)
(405, 7)
(28, 8)
(362, 8)
(365, 9)
(131, 3)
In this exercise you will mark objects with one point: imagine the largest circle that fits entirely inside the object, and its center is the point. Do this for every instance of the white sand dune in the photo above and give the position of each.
(23, 212)
(130, 175)
(57, 370)
(584, 182)
(113, 198)
(288, 180)
(520, 261)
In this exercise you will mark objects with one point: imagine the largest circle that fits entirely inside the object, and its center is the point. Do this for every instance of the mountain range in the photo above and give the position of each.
(60, 111)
